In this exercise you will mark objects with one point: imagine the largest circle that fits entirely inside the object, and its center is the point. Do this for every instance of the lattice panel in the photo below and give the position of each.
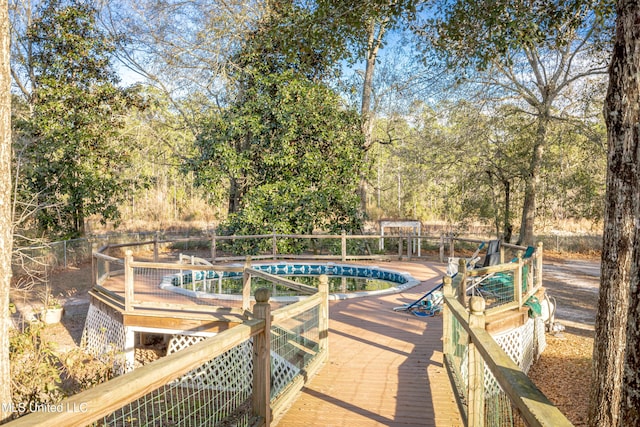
(282, 373)
(541, 338)
(518, 343)
(523, 345)
(102, 334)
(231, 371)
(180, 342)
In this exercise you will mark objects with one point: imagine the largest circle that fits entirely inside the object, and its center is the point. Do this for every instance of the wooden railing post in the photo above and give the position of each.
(213, 246)
(128, 281)
(262, 358)
(94, 265)
(475, 396)
(246, 284)
(343, 245)
(517, 282)
(441, 247)
(447, 291)
(323, 319)
(462, 286)
(539, 265)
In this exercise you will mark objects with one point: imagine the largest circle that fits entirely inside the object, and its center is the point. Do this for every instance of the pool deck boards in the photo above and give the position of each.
(385, 368)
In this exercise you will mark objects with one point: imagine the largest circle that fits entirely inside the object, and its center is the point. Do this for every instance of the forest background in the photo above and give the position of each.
(293, 117)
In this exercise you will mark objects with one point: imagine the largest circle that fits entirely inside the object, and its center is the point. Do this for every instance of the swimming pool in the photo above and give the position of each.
(346, 281)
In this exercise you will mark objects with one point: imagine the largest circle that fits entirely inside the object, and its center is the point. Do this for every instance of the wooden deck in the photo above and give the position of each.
(384, 369)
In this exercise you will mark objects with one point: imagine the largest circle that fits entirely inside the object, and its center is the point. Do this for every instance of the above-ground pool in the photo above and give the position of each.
(345, 281)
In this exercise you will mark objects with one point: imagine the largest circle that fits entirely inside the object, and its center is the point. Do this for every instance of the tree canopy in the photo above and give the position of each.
(71, 154)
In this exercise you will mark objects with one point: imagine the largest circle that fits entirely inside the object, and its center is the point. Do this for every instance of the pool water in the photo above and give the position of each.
(345, 281)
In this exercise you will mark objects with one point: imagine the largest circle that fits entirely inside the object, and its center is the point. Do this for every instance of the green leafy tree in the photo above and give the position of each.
(298, 162)
(72, 152)
(529, 53)
(288, 149)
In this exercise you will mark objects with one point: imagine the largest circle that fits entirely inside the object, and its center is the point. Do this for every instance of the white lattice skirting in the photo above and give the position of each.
(102, 335)
(232, 370)
(523, 345)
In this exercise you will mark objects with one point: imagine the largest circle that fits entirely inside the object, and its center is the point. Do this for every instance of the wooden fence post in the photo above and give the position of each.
(441, 247)
(262, 358)
(399, 246)
(274, 246)
(451, 245)
(475, 396)
(155, 247)
(128, 281)
(343, 246)
(409, 247)
(323, 319)
(246, 285)
(213, 246)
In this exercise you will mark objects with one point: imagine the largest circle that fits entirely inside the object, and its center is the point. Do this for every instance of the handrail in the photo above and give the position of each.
(104, 399)
(309, 290)
(532, 405)
(91, 405)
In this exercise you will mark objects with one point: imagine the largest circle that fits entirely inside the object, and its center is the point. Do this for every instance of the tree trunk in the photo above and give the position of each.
(531, 187)
(508, 228)
(625, 82)
(374, 40)
(6, 241)
(622, 114)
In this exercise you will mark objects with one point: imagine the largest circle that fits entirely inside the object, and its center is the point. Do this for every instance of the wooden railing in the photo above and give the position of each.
(101, 401)
(465, 328)
(524, 276)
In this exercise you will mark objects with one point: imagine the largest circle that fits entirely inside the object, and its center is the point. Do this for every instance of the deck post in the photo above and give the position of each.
(462, 286)
(475, 409)
(262, 358)
(441, 247)
(517, 282)
(447, 291)
(343, 246)
(246, 284)
(538, 267)
(323, 315)
(94, 265)
(128, 281)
